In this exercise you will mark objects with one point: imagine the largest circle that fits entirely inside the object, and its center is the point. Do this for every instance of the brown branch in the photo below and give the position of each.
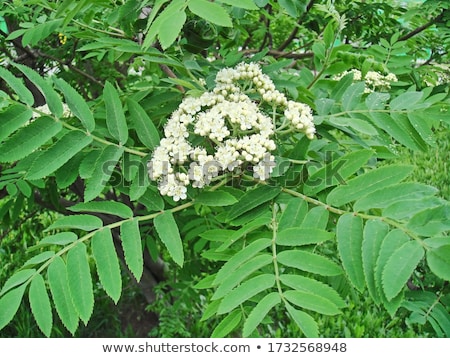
(277, 54)
(170, 73)
(295, 31)
(422, 28)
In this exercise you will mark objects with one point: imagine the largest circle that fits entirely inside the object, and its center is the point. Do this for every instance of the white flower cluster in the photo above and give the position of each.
(232, 128)
(374, 80)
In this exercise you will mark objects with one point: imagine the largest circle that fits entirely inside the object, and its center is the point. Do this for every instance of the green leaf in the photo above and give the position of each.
(210, 310)
(58, 154)
(376, 100)
(88, 163)
(251, 199)
(9, 304)
(80, 281)
(304, 321)
(82, 222)
(260, 312)
(51, 97)
(431, 221)
(14, 117)
(367, 183)
(241, 274)
(245, 291)
(316, 218)
(290, 6)
(132, 247)
(62, 238)
(229, 323)
(108, 207)
(35, 34)
(422, 124)
(241, 257)
(115, 117)
(293, 214)
(40, 305)
(30, 137)
(311, 301)
(406, 100)
(309, 262)
(39, 258)
(17, 279)
(400, 267)
(337, 171)
(170, 29)
(374, 233)
(384, 197)
(352, 96)
(145, 129)
(243, 4)
(215, 198)
(438, 260)
(104, 167)
(77, 104)
(341, 87)
(107, 263)
(296, 236)
(167, 230)
(360, 125)
(59, 287)
(349, 233)
(211, 12)
(17, 86)
(306, 284)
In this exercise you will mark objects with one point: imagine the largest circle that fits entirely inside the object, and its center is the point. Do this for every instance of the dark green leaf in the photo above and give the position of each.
(259, 312)
(115, 117)
(30, 138)
(80, 281)
(132, 247)
(349, 233)
(107, 263)
(296, 236)
(82, 222)
(167, 229)
(108, 207)
(17, 86)
(39, 32)
(40, 305)
(309, 262)
(145, 129)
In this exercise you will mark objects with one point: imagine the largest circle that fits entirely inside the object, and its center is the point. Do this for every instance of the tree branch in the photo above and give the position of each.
(276, 53)
(422, 28)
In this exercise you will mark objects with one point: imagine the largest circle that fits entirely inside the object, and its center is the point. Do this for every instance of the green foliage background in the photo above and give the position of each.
(349, 237)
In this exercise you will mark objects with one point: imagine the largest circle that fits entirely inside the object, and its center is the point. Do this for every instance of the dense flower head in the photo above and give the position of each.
(375, 81)
(232, 127)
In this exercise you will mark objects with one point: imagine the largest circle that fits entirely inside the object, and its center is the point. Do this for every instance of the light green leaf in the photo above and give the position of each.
(39, 258)
(309, 262)
(62, 238)
(9, 304)
(360, 125)
(377, 100)
(400, 267)
(304, 321)
(349, 233)
(104, 167)
(211, 12)
(40, 305)
(438, 260)
(30, 137)
(58, 154)
(316, 218)
(167, 230)
(108, 207)
(312, 301)
(115, 117)
(77, 104)
(241, 274)
(14, 117)
(251, 199)
(431, 221)
(59, 287)
(82, 222)
(406, 100)
(422, 124)
(210, 310)
(41, 31)
(243, 4)
(290, 6)
(17, 86)
(245, 291)
(306, 284)
(170, 29)
(293, 214)
(367, 183)
(260, 312)
(352, 96)
(405, 209)
(51, 97)
(145, 129)
(80, 281)
(374, 233)
(229, 323)
(107, 263)
(88, 163)
(384, 197)
(17, 279)
(296, 236)
(436, 242)
(215, 198)
(132, 247)
(240, 257)
(337, 171)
